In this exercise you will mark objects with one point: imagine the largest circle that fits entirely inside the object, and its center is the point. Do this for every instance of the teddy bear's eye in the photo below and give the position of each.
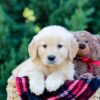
(60, 46)
(86, 41)
(44, 46)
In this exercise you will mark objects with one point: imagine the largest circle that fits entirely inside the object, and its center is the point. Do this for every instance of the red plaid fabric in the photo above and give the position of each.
(81, 89)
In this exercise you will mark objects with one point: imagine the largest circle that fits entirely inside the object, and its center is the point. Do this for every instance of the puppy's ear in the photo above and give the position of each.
(73, 48)
(32, 49)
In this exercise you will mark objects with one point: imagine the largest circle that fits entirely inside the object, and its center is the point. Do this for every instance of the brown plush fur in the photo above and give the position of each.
(89, 40)
(97, 37)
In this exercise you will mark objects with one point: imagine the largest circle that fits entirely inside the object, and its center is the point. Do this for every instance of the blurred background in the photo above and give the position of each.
(20, 20)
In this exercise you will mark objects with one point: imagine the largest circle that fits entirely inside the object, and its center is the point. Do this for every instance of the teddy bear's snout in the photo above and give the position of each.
(82, 46)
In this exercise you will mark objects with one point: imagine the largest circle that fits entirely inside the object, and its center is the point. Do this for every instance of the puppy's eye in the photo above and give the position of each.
(78, 40)
(86, 41)
(44, 46)
(60, 46)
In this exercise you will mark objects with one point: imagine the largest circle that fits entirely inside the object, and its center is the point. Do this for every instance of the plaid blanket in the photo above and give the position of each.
(80, 89)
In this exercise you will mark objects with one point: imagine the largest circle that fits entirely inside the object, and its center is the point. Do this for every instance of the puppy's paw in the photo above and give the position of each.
(53, 84)
(37, 86)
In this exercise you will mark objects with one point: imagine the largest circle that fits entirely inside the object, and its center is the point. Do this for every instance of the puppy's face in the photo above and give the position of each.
(53, 46)
(52, 50)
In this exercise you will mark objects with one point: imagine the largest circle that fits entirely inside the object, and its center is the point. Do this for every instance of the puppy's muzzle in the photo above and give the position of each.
(51, 58)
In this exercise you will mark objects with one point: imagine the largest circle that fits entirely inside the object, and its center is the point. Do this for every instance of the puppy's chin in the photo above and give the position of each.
(49, 64)
(52, 64)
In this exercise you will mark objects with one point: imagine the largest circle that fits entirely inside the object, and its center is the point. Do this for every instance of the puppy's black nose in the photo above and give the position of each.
(82, 46)
(51, 57)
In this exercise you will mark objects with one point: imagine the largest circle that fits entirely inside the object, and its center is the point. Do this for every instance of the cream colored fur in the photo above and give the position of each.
(38, 67)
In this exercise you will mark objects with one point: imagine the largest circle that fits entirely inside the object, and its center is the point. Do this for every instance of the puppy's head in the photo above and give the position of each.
(54, 45)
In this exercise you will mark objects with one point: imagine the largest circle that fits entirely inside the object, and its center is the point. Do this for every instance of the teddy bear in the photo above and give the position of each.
(87, 60)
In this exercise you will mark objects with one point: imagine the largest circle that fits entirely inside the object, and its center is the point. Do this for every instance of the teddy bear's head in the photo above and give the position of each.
(88, 45)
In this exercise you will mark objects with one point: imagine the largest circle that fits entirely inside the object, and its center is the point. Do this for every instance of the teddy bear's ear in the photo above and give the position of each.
(32, 49)
(73, 48)
(95, 49)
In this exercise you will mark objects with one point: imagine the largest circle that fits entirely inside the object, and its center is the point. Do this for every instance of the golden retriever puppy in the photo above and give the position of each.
(51, 54)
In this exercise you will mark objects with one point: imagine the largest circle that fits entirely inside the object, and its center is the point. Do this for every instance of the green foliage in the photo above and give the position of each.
(73, 14)
(21, 20)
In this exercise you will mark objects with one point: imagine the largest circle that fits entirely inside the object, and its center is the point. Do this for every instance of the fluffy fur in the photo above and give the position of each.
(91, 50)
(97, 37)
(50, 41)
